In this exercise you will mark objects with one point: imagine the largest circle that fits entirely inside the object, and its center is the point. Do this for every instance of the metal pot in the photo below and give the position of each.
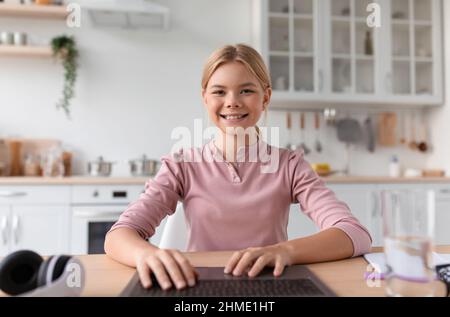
(144, 166)
(100, 167)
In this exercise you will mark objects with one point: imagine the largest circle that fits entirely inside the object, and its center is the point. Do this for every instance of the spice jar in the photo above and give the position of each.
(31, 166)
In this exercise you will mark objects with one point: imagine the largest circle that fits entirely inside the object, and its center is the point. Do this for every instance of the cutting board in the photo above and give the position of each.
(387, 129)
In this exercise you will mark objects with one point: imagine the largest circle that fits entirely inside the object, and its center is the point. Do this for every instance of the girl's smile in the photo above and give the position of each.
(234, 97)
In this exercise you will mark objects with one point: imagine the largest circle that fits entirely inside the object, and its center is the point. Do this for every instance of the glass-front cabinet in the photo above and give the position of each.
(352, 48)
(324, 51)
(292, 47)
(414, 55)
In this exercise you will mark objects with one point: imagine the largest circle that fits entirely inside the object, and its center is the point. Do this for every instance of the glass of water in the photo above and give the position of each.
(408, 228)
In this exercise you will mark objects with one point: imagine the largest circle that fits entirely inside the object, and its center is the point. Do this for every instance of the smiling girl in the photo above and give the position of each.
(228, 202)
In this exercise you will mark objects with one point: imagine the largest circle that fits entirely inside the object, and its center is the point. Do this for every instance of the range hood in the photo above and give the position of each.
(126, 13)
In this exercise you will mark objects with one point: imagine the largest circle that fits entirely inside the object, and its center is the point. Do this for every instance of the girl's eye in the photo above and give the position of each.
(247, 91)
(218, 92)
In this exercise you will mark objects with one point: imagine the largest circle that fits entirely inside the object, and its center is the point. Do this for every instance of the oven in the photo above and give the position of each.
(94, 210)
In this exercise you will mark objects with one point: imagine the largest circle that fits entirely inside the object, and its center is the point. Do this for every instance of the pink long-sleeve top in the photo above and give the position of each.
(231, 206)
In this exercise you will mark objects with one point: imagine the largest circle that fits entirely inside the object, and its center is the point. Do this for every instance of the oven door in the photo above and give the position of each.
(90, 225)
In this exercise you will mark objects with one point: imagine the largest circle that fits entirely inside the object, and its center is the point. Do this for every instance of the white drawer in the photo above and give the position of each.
(105, 194)
(47, 194)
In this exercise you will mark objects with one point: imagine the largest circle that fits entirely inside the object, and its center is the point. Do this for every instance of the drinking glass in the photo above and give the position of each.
(408, 229)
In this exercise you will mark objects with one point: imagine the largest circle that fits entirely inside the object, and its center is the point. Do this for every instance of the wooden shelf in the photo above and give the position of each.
(33, 11)
(26, 51)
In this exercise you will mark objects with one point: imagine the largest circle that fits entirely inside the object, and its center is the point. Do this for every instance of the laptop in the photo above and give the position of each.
(296, 281)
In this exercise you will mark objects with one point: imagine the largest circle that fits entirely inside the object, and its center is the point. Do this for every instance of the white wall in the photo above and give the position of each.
(134, 87)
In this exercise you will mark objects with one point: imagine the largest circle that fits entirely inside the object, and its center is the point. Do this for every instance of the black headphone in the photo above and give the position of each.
(23, 271)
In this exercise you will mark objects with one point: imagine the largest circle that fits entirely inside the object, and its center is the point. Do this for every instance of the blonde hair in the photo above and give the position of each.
(242, 53)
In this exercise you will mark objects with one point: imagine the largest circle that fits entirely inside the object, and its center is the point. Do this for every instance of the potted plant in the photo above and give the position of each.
(65, 48)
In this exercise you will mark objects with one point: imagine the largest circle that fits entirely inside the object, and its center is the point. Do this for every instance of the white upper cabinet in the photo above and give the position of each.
(414, 69)
(322, 51)
(287, 35)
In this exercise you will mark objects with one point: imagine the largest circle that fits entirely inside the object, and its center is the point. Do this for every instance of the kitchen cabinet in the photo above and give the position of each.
(442, 224)
(43, 229)
(35, 218)
(364, 202)
(322, 51)
(4, 229)
(287, 34)
(299, 224)
(413, 35)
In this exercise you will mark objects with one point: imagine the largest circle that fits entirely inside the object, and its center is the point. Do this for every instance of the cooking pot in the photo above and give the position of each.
(144, 166)
(100, 167)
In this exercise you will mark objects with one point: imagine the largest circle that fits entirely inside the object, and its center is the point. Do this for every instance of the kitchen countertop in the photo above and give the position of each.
(73, 180)
(383, 179)
(106, 277)
(91, 180)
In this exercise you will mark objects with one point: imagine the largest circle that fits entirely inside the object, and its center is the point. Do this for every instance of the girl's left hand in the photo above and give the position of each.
(255, 259)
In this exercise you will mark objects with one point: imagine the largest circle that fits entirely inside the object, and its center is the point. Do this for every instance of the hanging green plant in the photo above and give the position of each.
(65, 48)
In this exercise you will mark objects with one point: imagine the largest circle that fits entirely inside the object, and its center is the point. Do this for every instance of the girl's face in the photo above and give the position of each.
(234, 97)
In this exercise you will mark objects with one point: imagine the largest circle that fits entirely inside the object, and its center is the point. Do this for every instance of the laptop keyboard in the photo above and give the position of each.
(237, 288)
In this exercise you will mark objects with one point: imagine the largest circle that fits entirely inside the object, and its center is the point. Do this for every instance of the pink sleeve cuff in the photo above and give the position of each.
(361, 239)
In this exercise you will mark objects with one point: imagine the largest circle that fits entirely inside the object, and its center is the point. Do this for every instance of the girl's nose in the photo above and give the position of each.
(232, 102)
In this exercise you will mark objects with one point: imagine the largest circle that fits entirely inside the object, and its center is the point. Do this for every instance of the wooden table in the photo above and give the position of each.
(105, 277)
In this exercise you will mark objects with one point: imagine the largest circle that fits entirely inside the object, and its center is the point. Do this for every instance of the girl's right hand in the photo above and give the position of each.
(169, 267)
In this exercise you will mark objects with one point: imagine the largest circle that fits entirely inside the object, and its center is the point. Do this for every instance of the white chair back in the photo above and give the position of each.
(174, 235)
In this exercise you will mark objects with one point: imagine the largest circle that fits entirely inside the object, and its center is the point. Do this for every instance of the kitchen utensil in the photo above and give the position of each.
(318, 145)
(144, 166)
(433, 173)
(348, 131)
(370, 134)
(387, 129)
(302, 144)
(412, 142)
(422, 146)
(402, 130)
(330, 116)
(289, 144)
(100, 167)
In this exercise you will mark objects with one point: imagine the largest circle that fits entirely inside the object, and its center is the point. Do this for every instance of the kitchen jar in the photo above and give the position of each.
(144, 166)
(20, 38)
(100, 167)
(7, 38)
(52, 164)
(31, 166)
